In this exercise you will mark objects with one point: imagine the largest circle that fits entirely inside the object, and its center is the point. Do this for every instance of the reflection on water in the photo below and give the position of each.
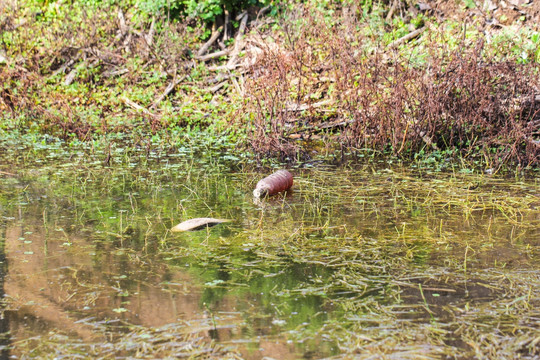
(89, 260)
(4, 320)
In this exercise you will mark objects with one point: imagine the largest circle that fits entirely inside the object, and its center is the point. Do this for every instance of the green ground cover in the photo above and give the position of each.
(455, 82)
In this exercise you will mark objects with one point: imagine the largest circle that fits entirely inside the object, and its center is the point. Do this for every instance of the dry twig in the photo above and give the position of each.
(213, 55)
(238, 43)
(391, 11)
(226, 26)
(213, 38)
(136, 106)
(302, 107)
(407, 37)
(150, 36)
(168, 90)
(215, 88)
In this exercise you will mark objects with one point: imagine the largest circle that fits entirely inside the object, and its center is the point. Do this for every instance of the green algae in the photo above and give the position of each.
(355, 262)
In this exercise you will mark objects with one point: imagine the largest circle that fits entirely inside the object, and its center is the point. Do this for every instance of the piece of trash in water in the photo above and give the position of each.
(197, 224)
(281, 180)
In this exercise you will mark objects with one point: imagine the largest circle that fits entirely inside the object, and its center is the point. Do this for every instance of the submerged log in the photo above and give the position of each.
(281, 180)
(197, 224)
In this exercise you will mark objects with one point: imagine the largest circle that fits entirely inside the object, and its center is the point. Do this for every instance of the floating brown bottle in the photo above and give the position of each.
(281, 180)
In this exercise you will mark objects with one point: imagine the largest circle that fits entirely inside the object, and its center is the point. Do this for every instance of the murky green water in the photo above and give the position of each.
(352, 264)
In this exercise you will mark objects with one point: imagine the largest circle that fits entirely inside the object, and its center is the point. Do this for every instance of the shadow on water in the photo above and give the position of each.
(352, 263)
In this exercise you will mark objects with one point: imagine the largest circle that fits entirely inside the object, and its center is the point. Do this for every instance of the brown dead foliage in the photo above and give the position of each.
(366, 96)
(12, 79)
(61, 120)
(101, 52)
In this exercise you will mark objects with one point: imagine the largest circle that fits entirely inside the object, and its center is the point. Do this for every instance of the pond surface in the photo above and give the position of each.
(353, 263)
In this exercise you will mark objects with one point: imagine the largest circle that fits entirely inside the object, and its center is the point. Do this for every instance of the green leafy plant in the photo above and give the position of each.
(207, 10)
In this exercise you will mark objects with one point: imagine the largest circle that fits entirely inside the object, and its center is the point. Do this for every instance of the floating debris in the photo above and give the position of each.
(197, 224)
(281, 180)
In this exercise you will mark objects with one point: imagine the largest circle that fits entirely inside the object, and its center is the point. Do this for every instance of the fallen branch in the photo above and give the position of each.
(302, 107)
(240, 16)
(136, 106)
(391, 11)
(238, 43)
(215, 88)
(65, 66)
(317, 128)
(237, 86)
(213, 38)
(212, 55)
(109, 74)
(224, 67)
(298, 136)
(149, 48)
(167, 91)
(263, 11)
(222, 77)
(226, 26)
(150, 37)
(407, 37)
(260, 23)
(527, 101)
(127, 41)
(70, 77)
(122, 23)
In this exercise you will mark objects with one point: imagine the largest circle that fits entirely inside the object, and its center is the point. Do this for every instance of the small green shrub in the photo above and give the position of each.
(205, 10)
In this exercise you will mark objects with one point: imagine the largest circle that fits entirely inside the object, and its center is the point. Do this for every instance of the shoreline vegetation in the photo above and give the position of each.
(439, 82)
